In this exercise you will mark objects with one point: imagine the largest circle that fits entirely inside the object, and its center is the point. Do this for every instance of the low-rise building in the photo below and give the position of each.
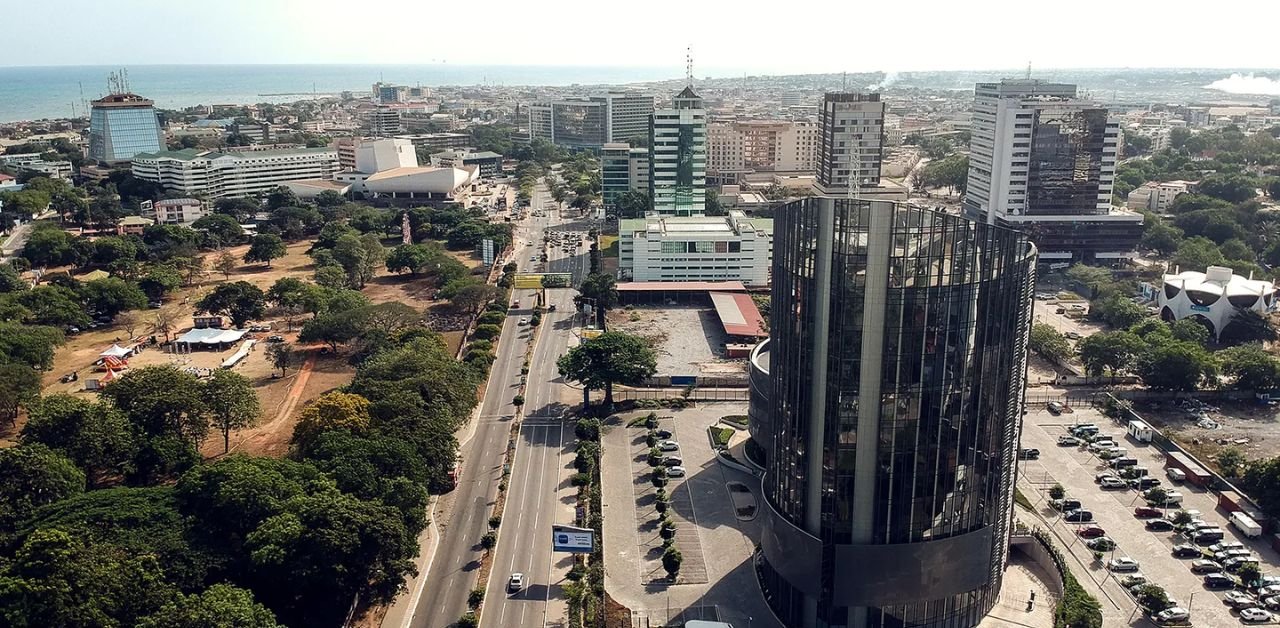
(622, 169)
(175, 211)
(1157, 196)
(489, 162)
(213, 175)
(1213, 297)
(436, 142)
(697, 248)
(133, 225)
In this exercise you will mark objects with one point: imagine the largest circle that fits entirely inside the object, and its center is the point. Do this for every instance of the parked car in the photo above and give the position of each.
(1272, 603)
(1204, 565)
(662, 433)
(1226, 546)
(1186, 550)
(1068, 441)
(1064, 505)
(1160, 525)
(1028, 454)
(1110, 483)
(1122, 564)
(676, 472)
(1101, 544)
(1101, 444)
(1239, 599)
(1255, 615)
(1208, 535)
(1219, 581)
(1097, 478)
(1078, 516)
(1090, 532)
(1177, 475)
(1269, 590)
(1054, 408)
(1133, 580)
(1229, 554)
(672, 461)
(1146, 512)
(276, 338)
(1071, 335)
(668, 445)
(1172, 615)
(260, 328)
(1142, 484)
(1233, 565)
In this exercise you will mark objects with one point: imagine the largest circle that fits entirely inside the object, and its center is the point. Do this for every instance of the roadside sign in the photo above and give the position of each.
(572, 539)
(487, 251)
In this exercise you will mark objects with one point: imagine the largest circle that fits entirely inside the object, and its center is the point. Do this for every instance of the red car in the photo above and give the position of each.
(1146, 512)
(1090, 532)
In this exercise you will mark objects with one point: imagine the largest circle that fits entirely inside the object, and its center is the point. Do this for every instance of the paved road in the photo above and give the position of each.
(463, 515)
(539, 479)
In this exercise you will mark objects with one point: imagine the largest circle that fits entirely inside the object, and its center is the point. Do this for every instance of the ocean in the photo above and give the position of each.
(31, 93)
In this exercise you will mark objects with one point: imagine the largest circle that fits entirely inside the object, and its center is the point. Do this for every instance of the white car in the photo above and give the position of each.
(1172, 614)
(524, 321)
(1252, 615)
(1124, 563)
(1177, 475)
(676, 472)
(668, 445)
(1113, 482)
(515, 583)
(1239, 599)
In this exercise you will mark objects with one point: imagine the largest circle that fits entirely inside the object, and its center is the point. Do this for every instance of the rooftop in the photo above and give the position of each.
(177, 202)
(682, 286)
(189, 154)
(738, 314)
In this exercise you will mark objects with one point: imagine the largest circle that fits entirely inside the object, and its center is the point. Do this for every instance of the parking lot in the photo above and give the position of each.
(1076, 468)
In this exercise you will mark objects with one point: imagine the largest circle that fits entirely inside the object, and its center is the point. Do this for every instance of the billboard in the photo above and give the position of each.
(487, 251)
(572, 539)
(534, 281)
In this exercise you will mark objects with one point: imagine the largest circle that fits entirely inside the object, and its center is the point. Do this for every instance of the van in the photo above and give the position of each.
(1055, 408)
(1208, 535)
(1084, 428)
(1177, 475)
(1120, 463)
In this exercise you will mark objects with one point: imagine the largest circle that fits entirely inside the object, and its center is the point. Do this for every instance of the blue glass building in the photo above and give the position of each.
(121, 126)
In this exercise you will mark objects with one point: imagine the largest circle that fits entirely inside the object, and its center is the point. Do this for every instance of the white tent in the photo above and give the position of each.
(211, 336)
(115, 351)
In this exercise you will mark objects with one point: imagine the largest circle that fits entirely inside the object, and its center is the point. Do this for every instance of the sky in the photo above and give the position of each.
(740, 36)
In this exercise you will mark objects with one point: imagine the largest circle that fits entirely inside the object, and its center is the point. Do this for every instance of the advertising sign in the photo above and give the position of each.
(572, 539)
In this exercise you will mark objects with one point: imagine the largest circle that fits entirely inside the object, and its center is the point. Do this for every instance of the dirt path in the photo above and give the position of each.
(267, 438)
(299, 384)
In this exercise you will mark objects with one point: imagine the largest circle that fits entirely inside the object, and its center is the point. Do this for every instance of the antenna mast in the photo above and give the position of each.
(688, 65)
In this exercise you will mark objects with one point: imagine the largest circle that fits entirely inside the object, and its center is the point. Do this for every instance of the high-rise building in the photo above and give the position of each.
(678, 156)
(850, 141)
(622, 169)
(589, 123)
(887, 404)
(121, 126)
(742, 147)
(385, 122)
(1043, 160)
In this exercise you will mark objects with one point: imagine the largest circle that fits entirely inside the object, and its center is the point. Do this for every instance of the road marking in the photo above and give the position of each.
(555, 499)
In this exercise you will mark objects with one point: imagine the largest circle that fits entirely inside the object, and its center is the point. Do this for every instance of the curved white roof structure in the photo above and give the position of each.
(1214, 296)
(209, 336)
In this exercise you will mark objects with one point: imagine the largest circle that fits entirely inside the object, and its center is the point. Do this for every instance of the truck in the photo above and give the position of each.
(1246, 525)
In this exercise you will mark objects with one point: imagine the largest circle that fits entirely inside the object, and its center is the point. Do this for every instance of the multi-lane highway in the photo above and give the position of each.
(539, 493)
(461, 517)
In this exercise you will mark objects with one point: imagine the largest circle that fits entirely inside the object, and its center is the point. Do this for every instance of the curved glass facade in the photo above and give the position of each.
(898, 360)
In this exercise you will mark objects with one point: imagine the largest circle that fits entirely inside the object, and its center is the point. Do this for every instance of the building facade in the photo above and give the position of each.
(121, 126)
(851, 137)
(174, 211)
(896, 383)
(1043, 161)
(590, 123)
(678, 157)
(702, 248)
(626, 115)
(214, 175)
(742, 147)
(1157, 196)
(622, 169)
(488, 162)
(385, 122)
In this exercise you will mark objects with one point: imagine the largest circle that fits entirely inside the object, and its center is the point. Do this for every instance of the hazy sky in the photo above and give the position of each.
(751, 35)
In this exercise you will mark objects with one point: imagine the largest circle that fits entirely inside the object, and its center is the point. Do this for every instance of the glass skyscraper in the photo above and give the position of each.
(678, 157)
(121, 126)
(895, 371)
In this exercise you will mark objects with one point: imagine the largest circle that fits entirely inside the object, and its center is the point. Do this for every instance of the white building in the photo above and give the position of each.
(700, 248)
(743, 147)
(174, 211)
(1212, 297)
(850, 143)
(1042, 160)
(678, 156)
(209, 174)
(384, 154)
(1157, 196)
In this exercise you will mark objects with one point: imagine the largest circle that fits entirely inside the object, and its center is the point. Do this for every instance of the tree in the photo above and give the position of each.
(219, 606)
(161, 401)
(1109, 350)
(226, 264)
(265, 247)
(332, 411)
(19, 386)
(633, 204)
(11, 280)
(1250, 367)
(238, 208)
(612, 357)
(603, 291)
(1117, 311)
(31, 345)
(231, 403)
(1175, 366)
(47, 245)
(671, 560)
(1247, 326)
(1050, 344)
(1261, 481)
(359, 256)
(329, 198)
(240, 300)
(472, 299)
(98, 438)
(410, 258)
(282, 197)
(31, 476)
(1189, 330)
(712, 206)
(281, 355)
(1197, 253)
(110, 296)
(1231, 461)
(1233, 188)
(1153, 598)
(1057, 492)
(163, 321)
(1162, 237)
(54, 305)
(225, 228)
(159, 280)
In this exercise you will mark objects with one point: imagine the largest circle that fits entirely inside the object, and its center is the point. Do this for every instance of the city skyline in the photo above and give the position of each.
(285, 33)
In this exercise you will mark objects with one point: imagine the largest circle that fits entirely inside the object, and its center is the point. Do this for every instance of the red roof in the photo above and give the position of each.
(739, 315)
(5, 177)
(682, 286)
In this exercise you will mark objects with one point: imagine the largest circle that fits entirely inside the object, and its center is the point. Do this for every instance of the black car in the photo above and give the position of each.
(1160, 525)
(1028, 454)
(1219, 581)
(662, 433)
(1078, 516)
(1186, 551)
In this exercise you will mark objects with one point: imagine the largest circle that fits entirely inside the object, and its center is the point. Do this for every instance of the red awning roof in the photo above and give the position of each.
(682, 286)
(739, 315)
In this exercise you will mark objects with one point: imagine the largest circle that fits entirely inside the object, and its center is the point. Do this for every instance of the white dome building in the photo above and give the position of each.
(1213, 296)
